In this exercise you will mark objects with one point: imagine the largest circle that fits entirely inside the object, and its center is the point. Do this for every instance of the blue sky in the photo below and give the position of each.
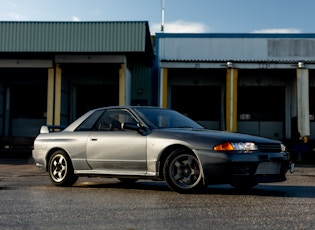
(192, 16)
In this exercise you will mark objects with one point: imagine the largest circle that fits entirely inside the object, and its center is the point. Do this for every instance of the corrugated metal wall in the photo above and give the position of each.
(73, 36)
(193, 77)
(141, 86)
(244, 48)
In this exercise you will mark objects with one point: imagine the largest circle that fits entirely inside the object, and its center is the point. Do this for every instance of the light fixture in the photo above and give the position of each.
(300, 65)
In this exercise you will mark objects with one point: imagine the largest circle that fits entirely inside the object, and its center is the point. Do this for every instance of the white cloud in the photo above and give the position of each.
(15, 17)
(179, 27)
(75, 19)
(278, 31)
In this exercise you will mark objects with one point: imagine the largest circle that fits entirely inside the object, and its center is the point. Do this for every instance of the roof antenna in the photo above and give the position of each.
(162, 25)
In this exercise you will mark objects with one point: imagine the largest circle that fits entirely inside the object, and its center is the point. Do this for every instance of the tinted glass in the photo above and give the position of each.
(112, 120)
(89, 123)
(163, 118)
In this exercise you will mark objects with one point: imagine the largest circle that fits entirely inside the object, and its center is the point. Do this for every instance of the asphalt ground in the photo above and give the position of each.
(29, 201)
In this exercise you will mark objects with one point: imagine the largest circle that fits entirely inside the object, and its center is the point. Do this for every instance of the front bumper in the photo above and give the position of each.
(261, 172)
(220, 168)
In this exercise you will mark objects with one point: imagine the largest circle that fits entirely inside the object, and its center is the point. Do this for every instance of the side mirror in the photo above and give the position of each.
(134, 127)
(130, 126)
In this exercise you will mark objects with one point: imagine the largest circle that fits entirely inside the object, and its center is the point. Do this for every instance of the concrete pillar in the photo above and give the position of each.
(231, 99)
(58, 88)
(50, 96)
(54, 96)
(124, 85)
(303, 115)
(163, 87)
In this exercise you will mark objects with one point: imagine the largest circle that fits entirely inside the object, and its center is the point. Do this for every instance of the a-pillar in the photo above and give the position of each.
(231, 99)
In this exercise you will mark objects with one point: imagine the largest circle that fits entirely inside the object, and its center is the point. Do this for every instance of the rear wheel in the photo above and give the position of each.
(61, 170)
(182, 172)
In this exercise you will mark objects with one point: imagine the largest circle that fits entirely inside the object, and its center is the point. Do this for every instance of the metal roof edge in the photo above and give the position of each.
(311, 61)
(83, 22)
(235, 35)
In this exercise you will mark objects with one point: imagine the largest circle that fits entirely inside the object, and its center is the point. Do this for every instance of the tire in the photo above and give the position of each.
(182, 172)
(60, 169)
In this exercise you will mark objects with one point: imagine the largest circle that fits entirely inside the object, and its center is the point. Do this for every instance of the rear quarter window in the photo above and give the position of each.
(89, 122)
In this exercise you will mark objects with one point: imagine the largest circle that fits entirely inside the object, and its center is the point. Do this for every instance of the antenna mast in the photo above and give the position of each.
(162, 25)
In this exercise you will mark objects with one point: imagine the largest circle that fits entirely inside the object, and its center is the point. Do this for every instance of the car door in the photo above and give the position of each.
(112, 150)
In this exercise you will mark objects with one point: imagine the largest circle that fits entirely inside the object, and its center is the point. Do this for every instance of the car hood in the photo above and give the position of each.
(219, 136)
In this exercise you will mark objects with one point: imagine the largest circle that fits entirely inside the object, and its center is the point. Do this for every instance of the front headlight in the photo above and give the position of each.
(236, 146)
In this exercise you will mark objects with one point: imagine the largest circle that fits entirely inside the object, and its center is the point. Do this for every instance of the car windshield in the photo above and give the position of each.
(162, 118)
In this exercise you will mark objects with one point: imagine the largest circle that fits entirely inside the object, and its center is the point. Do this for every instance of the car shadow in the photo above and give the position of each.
(146, 185)
(274, 190)
(268, 190)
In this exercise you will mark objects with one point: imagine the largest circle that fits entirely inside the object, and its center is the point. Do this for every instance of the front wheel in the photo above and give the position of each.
(61, 170)
(182, 172)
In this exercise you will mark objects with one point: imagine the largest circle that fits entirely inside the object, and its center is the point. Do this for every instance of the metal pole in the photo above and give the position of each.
(231, 100)
(162, 25)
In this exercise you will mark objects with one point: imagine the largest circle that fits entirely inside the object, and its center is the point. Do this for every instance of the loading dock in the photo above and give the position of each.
(265, 82)
(53, 72)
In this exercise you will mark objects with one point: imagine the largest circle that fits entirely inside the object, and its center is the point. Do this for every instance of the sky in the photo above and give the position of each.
(180, 16)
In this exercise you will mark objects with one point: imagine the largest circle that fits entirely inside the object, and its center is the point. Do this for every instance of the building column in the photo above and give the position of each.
(163, 87)
(303, 115)
(231, 99)
(54, 96)
(58, 88)
(50, 96)
(124, 86)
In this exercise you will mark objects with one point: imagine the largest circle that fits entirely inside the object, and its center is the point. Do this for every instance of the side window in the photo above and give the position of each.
(88, 123)
(113, 119)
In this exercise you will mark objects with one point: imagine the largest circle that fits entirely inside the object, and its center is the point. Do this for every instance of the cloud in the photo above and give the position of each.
(15, 17)
(75, 19)
(179, 27)
(278, 31)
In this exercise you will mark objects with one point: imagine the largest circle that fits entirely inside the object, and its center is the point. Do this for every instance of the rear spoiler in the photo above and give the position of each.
(51, 128)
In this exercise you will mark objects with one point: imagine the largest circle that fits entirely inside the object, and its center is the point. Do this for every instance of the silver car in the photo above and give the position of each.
(142, 142)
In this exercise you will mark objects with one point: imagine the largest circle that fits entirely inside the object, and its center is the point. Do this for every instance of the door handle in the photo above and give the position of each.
(94, 139)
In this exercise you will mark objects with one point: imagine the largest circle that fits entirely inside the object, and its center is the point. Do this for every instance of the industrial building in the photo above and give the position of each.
(52, 72)
(261, 84)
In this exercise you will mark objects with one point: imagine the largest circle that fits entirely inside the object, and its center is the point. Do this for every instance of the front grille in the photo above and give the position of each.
(269, 147)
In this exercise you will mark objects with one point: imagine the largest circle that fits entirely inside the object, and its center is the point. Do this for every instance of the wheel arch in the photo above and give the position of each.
(51, 152)
(166, 152)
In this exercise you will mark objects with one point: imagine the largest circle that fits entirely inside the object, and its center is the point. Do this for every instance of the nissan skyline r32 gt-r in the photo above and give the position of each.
(142, 142)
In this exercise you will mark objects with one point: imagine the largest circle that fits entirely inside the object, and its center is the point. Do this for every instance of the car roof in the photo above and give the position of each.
(128, 107)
